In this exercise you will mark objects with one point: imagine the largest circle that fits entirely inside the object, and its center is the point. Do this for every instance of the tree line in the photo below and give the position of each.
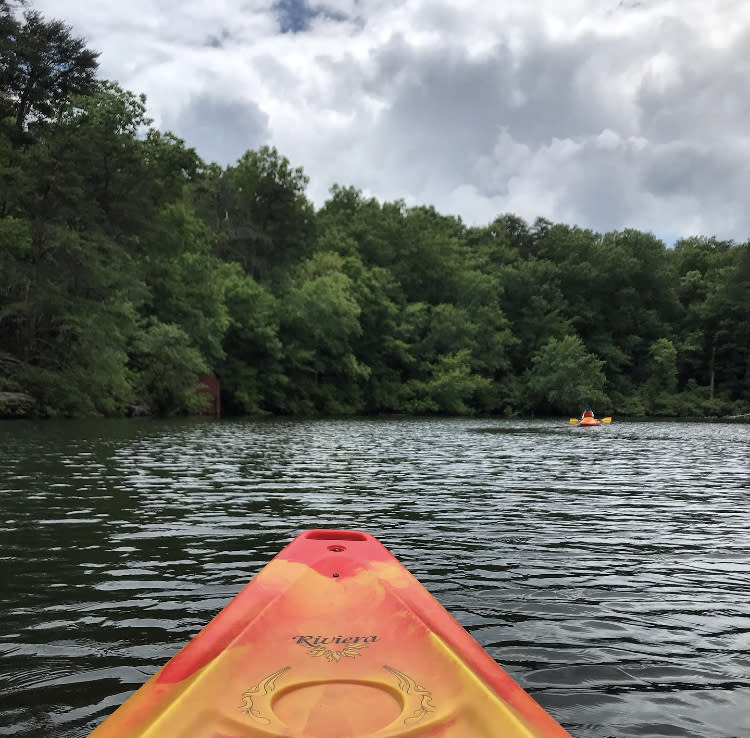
(129, 268)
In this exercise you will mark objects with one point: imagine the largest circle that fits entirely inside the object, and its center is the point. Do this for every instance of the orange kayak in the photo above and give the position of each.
(334, 638)
(589, 421)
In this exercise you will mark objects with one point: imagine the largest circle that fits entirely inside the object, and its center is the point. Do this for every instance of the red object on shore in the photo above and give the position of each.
(211, 386)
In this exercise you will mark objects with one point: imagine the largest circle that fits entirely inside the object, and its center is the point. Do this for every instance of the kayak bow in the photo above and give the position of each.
(334, 638)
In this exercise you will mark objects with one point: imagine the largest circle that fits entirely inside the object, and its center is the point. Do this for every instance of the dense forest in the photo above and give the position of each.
(129, 268)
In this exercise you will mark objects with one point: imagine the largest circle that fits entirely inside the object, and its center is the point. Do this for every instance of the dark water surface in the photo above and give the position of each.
(607, 569)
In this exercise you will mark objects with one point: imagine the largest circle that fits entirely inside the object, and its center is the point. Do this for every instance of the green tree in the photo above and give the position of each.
(374, 229)
(319, 328)
(267, 220)
(726, 319)
(450, 387)
(187, 283)
(564, 376)
(659, 389)
(167, 367)
(619, 289)
(43, 66)
(429, 257)
(253, 370)
(124, 178)
(378, 345)
(714, 288)
(66, 316)
(534, 305)
(79, 202)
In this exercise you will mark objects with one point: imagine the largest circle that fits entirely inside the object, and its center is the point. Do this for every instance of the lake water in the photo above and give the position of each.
(606, 569)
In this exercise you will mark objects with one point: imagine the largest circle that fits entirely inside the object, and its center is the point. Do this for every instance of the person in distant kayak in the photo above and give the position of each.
(587, 413)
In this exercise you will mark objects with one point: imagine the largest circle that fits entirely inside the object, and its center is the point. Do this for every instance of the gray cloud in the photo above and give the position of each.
(550, 132)
(608, 115)
(220, 130)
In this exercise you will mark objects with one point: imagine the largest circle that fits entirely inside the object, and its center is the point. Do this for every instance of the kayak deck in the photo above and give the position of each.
(334, 638)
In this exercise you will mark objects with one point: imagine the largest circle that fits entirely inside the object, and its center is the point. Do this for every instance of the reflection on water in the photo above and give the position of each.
(607, 569)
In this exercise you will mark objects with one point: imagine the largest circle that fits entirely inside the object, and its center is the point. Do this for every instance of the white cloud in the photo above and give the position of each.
(605, 114)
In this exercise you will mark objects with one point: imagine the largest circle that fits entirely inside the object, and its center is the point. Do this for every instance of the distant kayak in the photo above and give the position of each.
(589, 421)
(334, 638)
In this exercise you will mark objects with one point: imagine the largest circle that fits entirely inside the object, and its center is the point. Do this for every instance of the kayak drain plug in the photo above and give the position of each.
(335, 574)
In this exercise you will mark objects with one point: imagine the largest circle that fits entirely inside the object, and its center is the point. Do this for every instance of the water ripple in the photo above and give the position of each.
(607, 569)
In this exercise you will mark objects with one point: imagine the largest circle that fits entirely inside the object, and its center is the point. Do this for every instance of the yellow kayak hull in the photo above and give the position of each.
(334, 638)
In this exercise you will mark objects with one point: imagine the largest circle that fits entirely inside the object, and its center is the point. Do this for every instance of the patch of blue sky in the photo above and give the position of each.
(295, 15)
(217, 42)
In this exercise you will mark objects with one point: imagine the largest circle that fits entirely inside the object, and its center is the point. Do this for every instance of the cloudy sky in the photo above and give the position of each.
(602, 113)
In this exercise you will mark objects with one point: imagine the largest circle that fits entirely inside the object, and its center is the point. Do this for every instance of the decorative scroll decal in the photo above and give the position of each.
(267, 685)
(350, 651)
(417, 693)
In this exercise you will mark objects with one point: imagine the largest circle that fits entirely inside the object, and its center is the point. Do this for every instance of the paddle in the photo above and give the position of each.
(606, 420)
(574, 420)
